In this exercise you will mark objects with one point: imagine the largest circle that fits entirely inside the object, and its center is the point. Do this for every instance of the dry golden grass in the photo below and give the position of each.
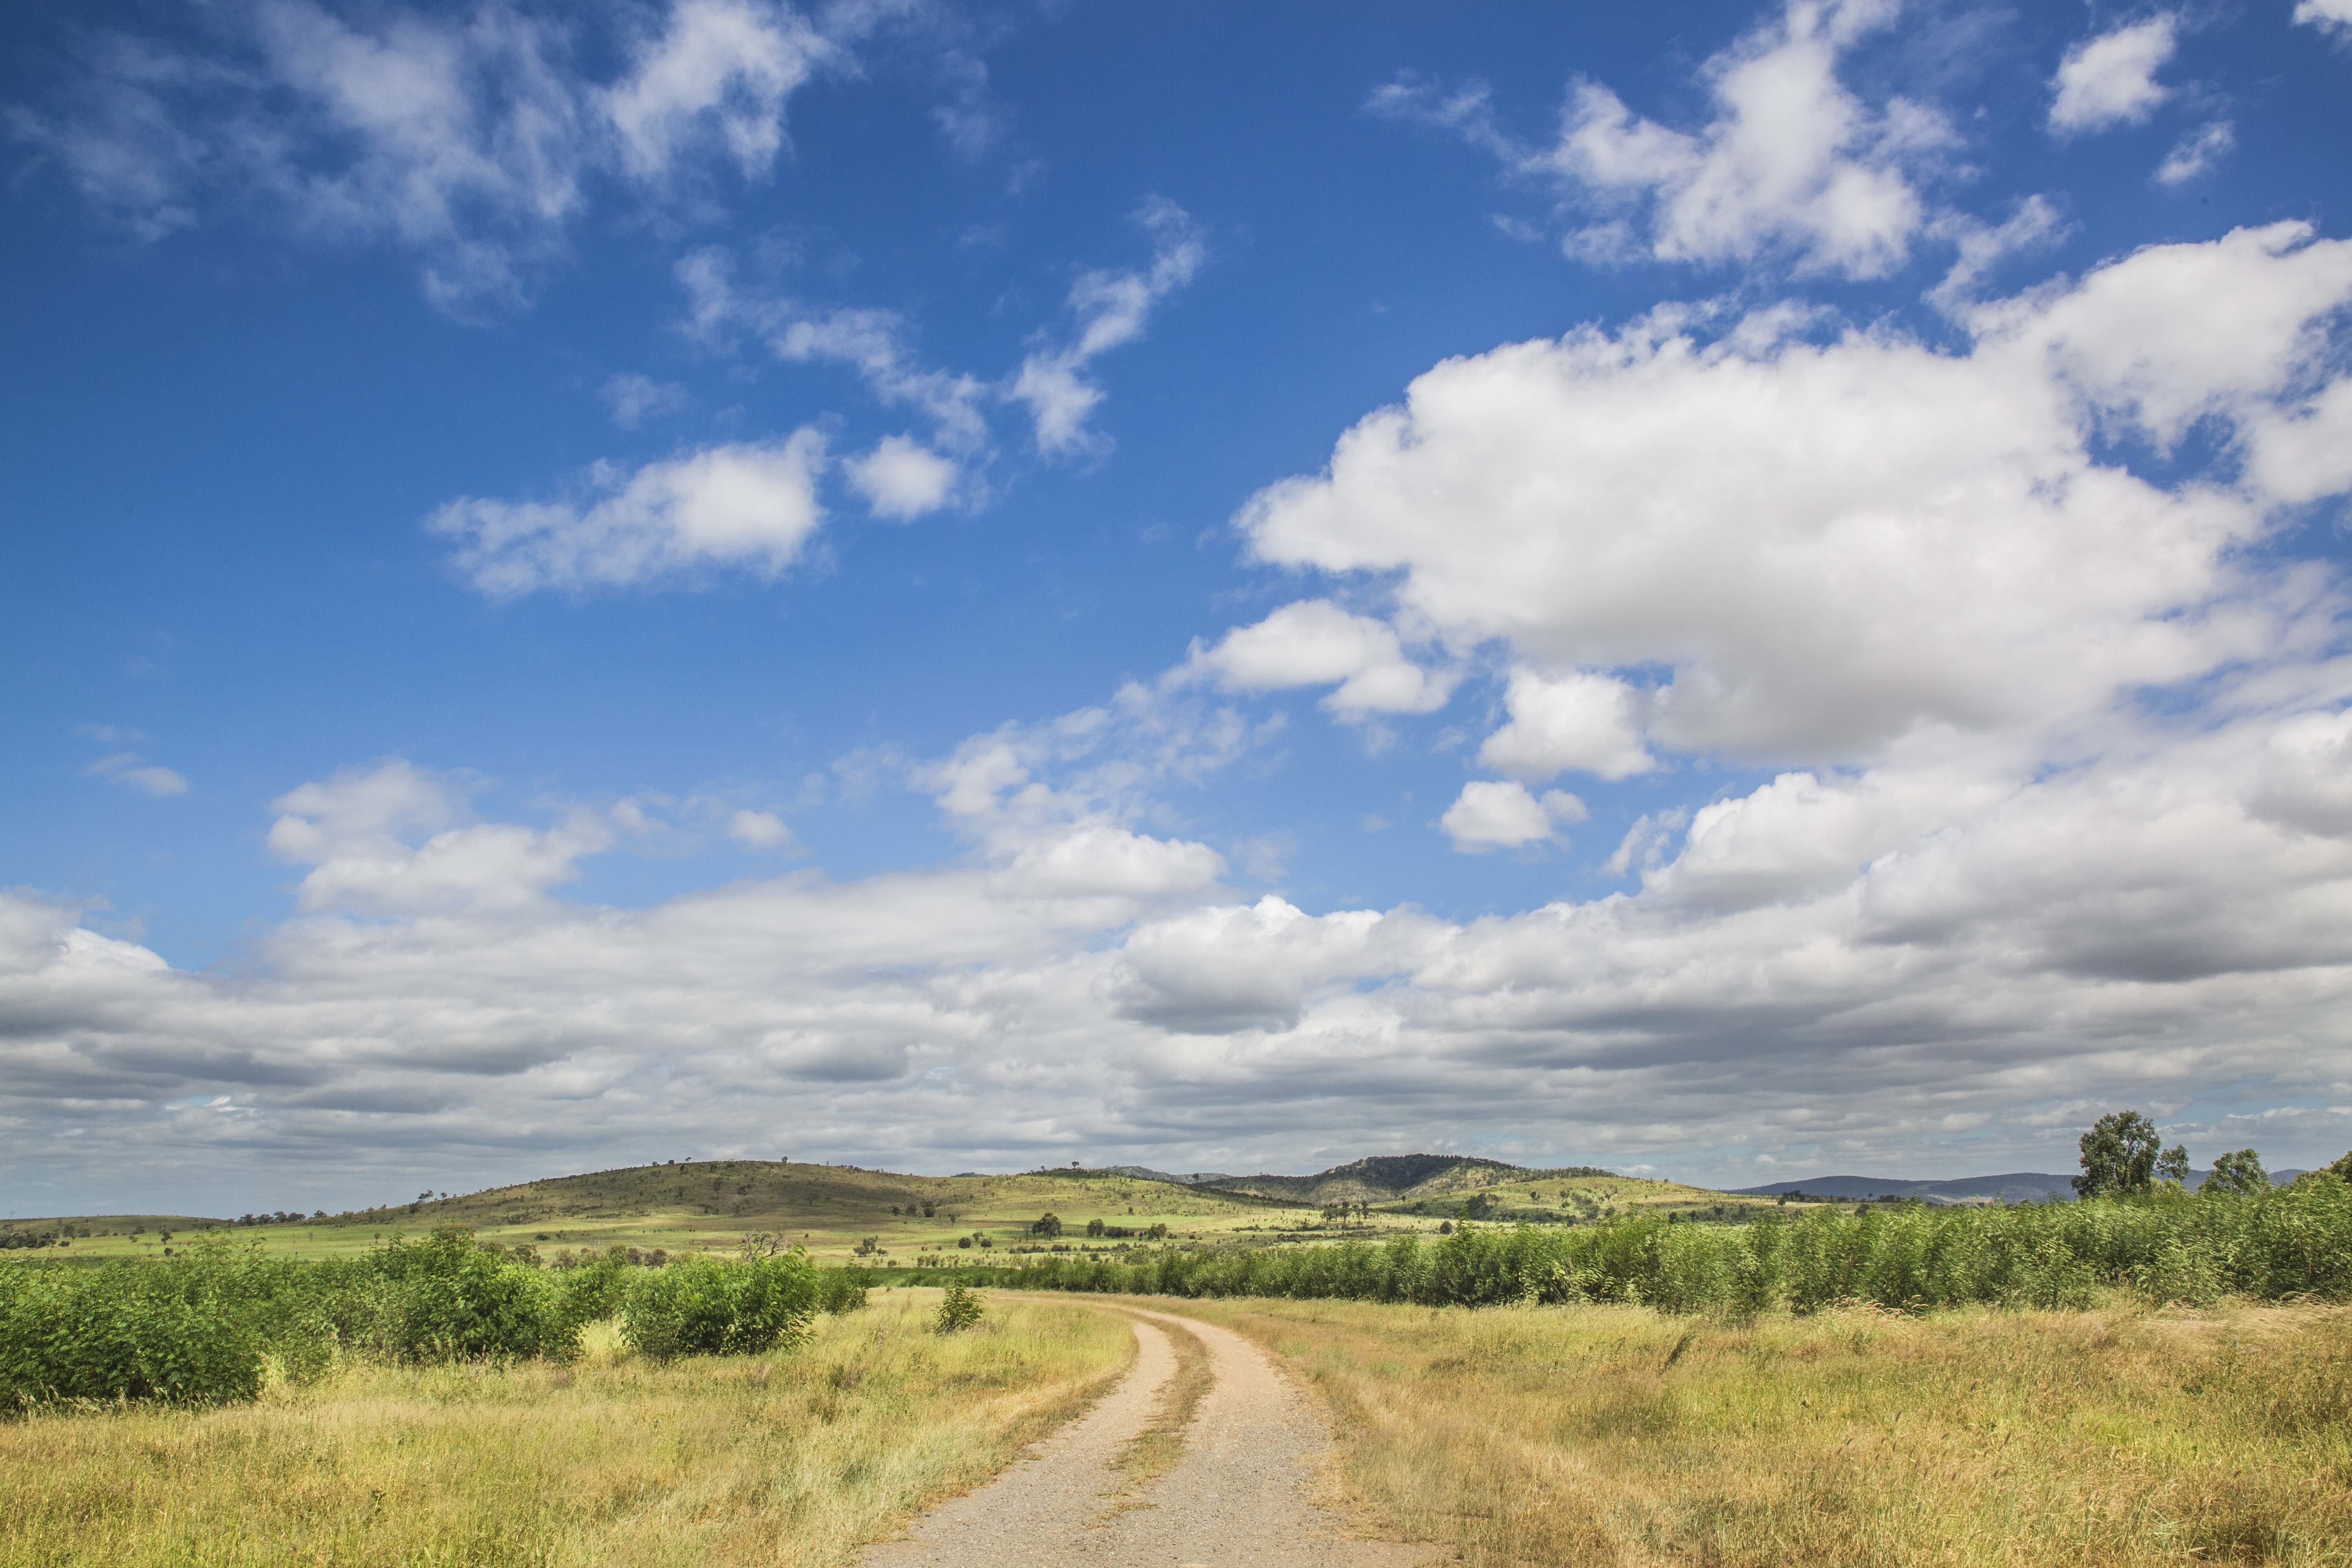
(1616, 1436)
(792, 1461)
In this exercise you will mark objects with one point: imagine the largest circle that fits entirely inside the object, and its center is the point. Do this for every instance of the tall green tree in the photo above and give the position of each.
(2240, 1173)
(2119, 1156)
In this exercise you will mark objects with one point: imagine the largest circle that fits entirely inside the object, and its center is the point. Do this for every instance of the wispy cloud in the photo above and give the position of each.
(2198, 153)
(1112, 309)
(130, 769)
(472, 139)
(633, 399)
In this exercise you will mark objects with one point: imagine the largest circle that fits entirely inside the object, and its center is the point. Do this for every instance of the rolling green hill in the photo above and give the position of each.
(1382, 1178)
(1440, 1186)
(834, 1210)
(839, 1212)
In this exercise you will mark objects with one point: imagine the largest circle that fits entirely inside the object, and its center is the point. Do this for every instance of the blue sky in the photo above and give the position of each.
(1738, 592)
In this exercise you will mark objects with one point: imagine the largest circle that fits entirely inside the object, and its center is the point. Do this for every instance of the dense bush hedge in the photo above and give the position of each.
(2168, 1244)
(202, 1328)
(445, 1298)
(122, 1332)
(710, 1306)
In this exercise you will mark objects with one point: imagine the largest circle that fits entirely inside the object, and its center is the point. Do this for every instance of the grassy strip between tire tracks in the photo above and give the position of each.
(1620, 1436)
(793, 1460)
(1154, 1452)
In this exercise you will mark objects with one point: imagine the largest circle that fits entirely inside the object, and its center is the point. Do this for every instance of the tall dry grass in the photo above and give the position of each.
(1619, 1436)
(789, 1460)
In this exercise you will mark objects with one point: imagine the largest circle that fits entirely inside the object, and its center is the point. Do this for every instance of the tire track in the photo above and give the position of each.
(1240, 1494)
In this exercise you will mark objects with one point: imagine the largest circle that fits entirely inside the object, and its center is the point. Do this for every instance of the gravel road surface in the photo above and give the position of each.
(1241, 1496)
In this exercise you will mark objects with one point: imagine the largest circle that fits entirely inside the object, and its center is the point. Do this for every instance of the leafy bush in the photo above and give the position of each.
(959, 1309)
(125, 1331)
(709, 1306)
(2178, 1274)
(445, 1298)
(844, 1290)
(204, 1327)
(591, 1290)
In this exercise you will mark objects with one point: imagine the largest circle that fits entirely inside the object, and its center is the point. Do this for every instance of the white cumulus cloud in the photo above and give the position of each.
(1316, 643)
(1583, 722)
(1792, 164)
(901, 478)
(2111, 80)
(398, 839)
(1832, 545)
(1492, 815)
(749, 506)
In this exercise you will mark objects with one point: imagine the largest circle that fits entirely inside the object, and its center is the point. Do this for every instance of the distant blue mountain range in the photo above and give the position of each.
(2017, 1187)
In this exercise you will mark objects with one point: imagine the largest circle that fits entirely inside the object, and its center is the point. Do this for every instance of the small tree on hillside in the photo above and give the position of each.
(2119, 1156)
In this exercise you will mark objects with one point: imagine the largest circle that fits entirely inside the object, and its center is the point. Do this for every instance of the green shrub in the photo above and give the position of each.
(443, 1298)
(709, 1306)
(959, 1309)
(844, 1290)
(204, 1327)
(592, 1291)
(124, 1331)
(2179, 1274)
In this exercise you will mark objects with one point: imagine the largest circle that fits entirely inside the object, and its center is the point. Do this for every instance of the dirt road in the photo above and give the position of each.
(1240, 1496)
